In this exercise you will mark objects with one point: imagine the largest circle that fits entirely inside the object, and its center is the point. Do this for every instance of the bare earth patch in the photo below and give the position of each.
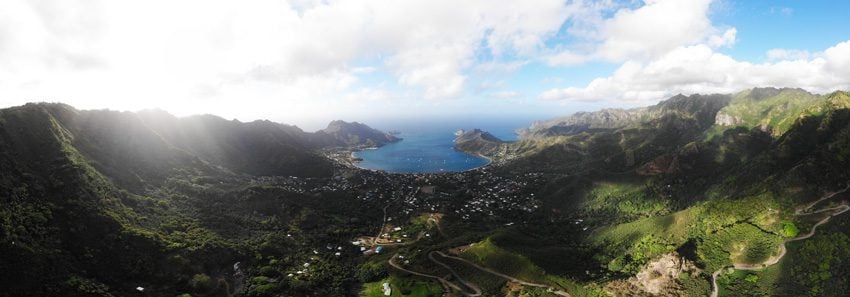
(658, 278)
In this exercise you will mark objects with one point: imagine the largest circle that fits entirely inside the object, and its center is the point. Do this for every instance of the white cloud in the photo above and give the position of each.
(727, 39)
(300, 58)
(500, 67)
(699, 69)
(505, 95)
(653, 29)
(645, 32)
(785, 11)
(566, 58)
(187, 56)
(787, 54)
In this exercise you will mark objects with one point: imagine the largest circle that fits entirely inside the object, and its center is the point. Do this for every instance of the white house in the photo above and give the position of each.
(387, 289)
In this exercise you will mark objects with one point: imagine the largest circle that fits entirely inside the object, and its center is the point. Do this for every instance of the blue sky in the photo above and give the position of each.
(307, 62)
(764, 25)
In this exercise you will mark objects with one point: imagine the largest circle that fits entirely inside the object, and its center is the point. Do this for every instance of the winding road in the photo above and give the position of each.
(466, 288)
(782, 250)
(446, 283)
(476, 291)
(499, 274)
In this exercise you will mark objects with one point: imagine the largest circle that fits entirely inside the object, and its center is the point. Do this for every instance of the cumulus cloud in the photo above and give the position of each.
(700, 69)
(726, 39)
(647, 31)
(164, 53)
(309, 57)
(787, 54)
(500, 67)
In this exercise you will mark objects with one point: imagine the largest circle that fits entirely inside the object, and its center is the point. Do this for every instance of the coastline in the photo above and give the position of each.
(351, 161)
(489, 161)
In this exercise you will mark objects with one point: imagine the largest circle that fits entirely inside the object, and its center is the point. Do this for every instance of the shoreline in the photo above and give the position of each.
(355, 163)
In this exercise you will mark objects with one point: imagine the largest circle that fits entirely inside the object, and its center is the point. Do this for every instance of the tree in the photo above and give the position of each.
(789, 230)
(201, 282)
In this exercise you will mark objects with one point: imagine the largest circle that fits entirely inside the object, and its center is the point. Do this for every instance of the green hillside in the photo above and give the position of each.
(100, 203)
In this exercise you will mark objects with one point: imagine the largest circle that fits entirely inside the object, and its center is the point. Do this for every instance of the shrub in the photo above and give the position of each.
(201, 282)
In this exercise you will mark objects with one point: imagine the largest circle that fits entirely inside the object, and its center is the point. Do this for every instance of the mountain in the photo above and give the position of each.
(664, 200)
(697, 106)
(773, 110)
(611, 138)
(478, 141)
(98, 202)
(353, 134)
(64, 223)
(601, 141)
(609, 118)
(718, 179)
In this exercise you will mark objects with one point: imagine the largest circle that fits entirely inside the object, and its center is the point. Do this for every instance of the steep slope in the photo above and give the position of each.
(100, 202)
(66, 230)
(769, 109)
(700, 107)
(96, 203)
(257, 148)
(609, 118)
(351, 134)
(478, 141)
(661, 185)
(614, 145)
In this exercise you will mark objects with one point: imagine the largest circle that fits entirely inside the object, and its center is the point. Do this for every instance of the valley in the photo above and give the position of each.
(655, 201)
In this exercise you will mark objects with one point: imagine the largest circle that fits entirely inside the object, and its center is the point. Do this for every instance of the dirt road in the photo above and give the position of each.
(782, 250)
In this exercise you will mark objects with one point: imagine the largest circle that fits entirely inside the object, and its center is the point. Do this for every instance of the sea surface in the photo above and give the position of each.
(428, 146)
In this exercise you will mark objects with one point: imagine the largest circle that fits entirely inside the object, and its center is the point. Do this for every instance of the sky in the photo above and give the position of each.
(307, 62)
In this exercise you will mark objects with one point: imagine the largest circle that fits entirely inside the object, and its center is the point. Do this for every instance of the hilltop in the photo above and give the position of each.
(353, 134)
(693, 175)
(99, 202)
(478, 141)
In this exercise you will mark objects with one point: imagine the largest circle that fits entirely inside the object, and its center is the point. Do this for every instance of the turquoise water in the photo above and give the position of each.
(429, 147)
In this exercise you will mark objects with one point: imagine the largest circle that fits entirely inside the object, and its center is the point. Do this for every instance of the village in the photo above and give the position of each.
(413, 206)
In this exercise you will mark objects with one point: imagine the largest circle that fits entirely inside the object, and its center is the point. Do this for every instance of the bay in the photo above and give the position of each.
(428, 146)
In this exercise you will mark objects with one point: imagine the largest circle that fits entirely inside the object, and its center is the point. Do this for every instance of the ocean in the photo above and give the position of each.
(428, 146)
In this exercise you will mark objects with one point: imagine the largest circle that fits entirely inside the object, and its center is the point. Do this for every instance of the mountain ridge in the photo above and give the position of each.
(101, 202)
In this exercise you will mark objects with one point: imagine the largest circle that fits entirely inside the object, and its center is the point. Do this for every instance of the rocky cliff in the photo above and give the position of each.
(478, 142)
(703, 108)
(352, 134)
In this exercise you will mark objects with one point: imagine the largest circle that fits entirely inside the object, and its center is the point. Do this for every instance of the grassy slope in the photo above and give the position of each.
(490, 255)
(672, 228)
(782, 111)
(413, 288)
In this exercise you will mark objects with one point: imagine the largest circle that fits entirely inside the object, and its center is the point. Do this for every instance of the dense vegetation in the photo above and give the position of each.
(98, 203)
(717, 194)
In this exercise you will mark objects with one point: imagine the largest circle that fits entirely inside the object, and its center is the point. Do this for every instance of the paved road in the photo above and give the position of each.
(782, 250)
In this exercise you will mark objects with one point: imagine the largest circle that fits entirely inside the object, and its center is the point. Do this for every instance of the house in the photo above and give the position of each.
(387, 289)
